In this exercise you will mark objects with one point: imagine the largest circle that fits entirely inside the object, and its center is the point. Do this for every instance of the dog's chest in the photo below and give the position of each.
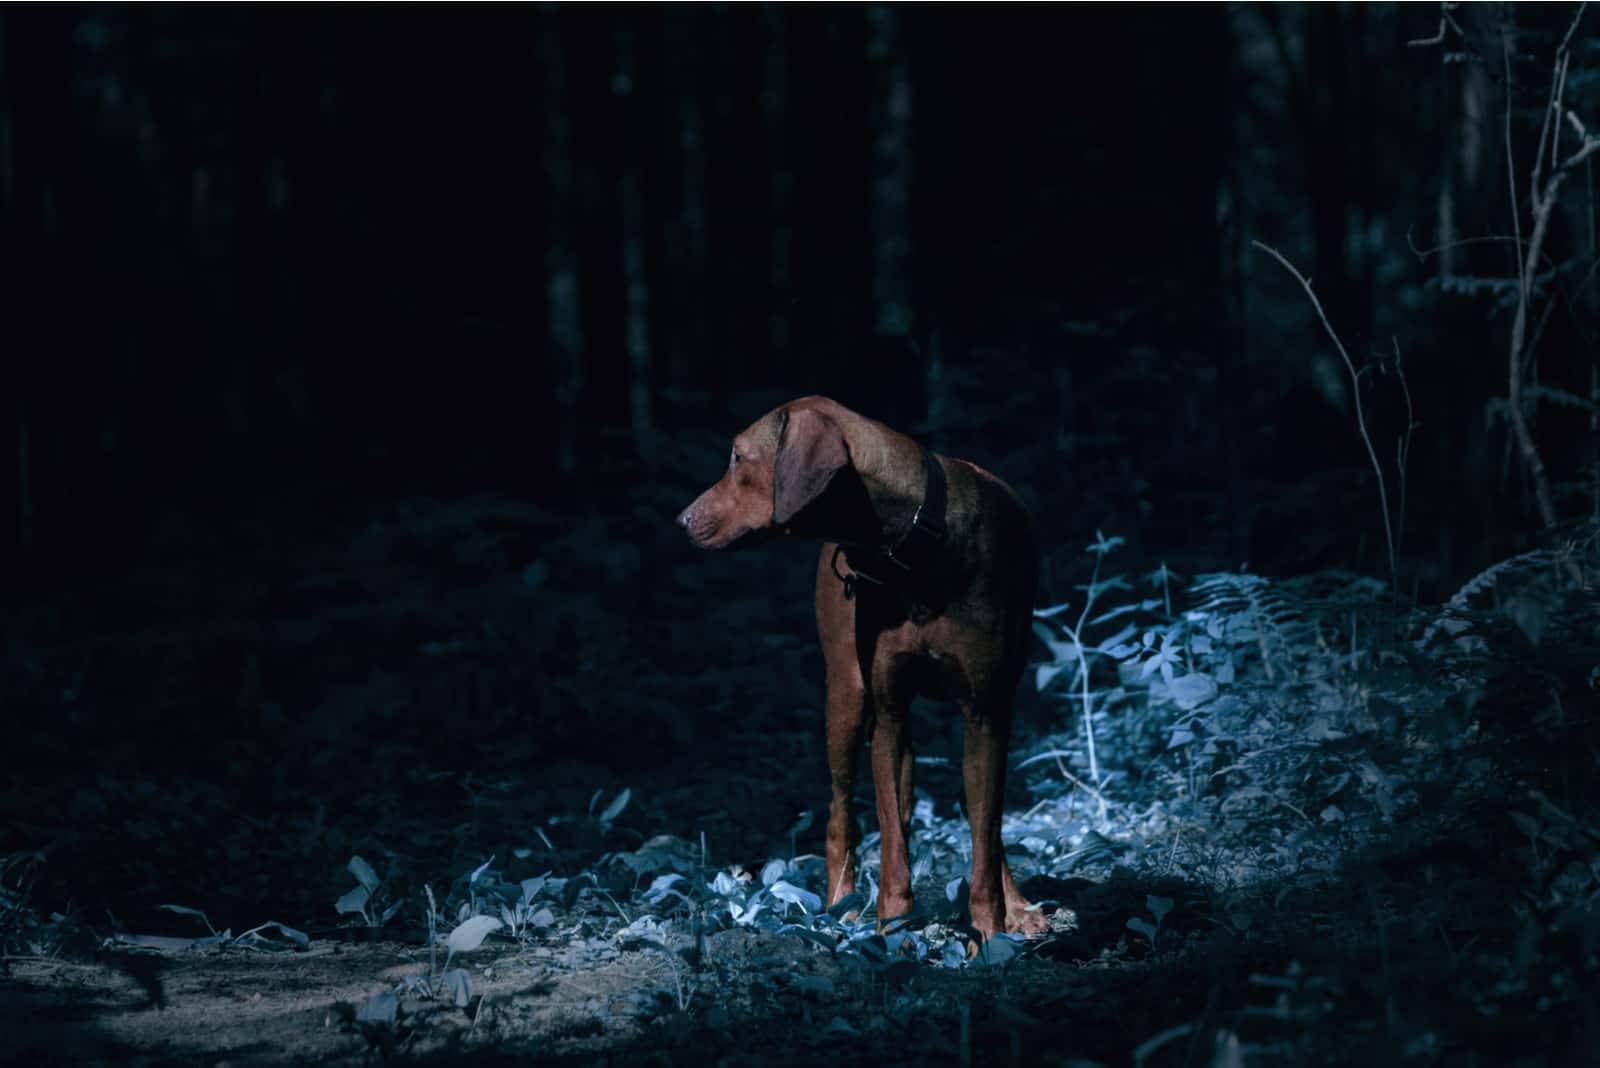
(935, 656)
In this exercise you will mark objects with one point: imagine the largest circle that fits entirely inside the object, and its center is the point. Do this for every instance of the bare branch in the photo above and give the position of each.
(1550, 126)
(1422, 254)
(1577, 17)
(1446, 22)
(1542, 194)
(1428, 42)
(1553, 108)
(1555, 111)
(1511, 163)
(1361, 419)
(1591, 145)
(1403, 445)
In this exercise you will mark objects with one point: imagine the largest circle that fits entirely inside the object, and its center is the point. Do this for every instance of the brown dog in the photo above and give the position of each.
(925, 586)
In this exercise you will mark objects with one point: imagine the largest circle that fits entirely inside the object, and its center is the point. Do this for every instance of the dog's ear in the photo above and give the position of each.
(811, 450)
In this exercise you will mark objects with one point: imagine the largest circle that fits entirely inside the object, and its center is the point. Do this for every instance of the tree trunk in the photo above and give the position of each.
(38, 43)
(296, 42)
(780, 181)
(25, 529)
(10, 304)
(688, 231)
(1327, 146)
(252, 242)
(564, 312)
(893, 310)
(636, 326)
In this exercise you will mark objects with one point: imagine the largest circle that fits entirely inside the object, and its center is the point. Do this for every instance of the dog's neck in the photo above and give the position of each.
(900, 502)
(870, 508)
(895, 499)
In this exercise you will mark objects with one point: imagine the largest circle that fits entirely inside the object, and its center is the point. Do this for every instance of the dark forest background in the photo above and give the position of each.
(248, 248)
(355, 359)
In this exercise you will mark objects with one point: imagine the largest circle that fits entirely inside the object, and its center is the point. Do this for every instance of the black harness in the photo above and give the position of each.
(912, 552)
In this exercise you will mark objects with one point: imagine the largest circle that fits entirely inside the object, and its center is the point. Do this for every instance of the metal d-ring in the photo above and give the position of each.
(851, 580)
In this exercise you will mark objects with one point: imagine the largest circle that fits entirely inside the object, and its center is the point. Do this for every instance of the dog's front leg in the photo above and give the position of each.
(847, 716)
(891, 782)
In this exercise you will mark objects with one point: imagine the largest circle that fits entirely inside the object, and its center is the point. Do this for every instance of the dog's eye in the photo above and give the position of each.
(736, 460)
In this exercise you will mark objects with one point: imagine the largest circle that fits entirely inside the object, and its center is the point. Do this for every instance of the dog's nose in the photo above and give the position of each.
(683, 518)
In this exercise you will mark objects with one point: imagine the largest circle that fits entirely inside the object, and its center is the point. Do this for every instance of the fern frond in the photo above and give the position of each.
(1486, 580)
(1254, 603)
(1530, 582)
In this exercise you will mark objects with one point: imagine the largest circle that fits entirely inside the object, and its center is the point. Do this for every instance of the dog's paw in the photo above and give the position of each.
(1026, 922)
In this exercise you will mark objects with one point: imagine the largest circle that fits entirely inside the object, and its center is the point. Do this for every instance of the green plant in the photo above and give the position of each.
(1158, 908)
(1153, 652)
(369, 891)
(1069, 647)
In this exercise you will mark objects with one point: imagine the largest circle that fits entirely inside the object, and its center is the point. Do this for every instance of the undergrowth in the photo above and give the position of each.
(1226, 741)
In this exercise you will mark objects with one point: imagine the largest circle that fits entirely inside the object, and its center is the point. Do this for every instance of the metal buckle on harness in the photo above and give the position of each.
(925, 535)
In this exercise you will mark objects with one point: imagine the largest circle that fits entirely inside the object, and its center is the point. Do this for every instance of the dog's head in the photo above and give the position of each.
(779, 464)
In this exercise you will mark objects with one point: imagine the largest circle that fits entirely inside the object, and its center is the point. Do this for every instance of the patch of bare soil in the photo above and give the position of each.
(757, 998)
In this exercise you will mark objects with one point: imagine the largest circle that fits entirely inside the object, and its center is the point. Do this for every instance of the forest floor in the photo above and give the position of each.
(1325, 849)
